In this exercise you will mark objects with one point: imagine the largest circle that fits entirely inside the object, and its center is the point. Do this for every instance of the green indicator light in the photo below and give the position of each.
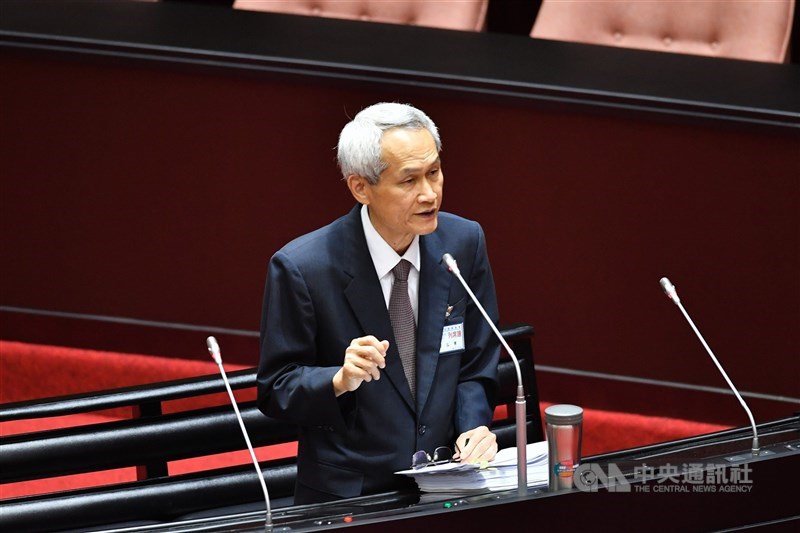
(447, 505)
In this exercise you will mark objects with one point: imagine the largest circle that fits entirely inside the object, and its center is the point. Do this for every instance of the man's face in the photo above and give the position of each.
(406, 200)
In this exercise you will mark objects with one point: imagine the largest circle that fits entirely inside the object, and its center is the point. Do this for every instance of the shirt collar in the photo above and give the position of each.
(383, 256)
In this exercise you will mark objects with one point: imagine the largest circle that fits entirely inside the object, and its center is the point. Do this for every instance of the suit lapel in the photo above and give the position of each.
(366, 299)
(434, 288)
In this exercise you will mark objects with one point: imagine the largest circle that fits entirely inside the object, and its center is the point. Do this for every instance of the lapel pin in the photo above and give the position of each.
(449, 310)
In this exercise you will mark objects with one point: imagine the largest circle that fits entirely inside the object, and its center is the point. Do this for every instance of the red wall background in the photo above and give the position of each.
(159, 194)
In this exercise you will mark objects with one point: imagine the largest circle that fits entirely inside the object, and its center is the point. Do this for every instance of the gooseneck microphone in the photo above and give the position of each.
(669, 290)
(213, 349)
(521, 411)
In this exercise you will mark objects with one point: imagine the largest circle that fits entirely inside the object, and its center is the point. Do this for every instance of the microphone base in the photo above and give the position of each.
(744, 457)
(522, 441)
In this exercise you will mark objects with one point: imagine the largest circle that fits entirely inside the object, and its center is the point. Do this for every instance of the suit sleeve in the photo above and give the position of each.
(478, 377)
(290, 385)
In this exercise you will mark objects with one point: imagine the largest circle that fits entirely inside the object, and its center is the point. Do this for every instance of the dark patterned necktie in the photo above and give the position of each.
(405, 328)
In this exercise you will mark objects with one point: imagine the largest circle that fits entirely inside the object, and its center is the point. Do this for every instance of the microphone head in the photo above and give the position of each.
(450, 261)
(213, 349)
(669, 289)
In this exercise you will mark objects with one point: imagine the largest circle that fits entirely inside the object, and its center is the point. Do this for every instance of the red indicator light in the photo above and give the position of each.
(348, 519)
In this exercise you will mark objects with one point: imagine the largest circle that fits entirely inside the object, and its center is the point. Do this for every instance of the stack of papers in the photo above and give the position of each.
(499, 474)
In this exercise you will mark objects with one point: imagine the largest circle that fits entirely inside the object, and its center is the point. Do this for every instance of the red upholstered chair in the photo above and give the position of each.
(467, 15)
(756, 30)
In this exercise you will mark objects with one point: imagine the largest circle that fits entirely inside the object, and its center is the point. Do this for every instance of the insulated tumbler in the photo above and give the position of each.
(564, 432)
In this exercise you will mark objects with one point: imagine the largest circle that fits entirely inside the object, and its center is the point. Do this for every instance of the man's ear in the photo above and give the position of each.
(358, 188)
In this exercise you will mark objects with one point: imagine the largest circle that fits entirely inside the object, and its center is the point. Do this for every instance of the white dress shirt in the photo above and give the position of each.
(385, 259)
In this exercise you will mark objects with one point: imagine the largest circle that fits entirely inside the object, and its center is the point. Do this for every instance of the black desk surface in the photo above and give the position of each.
(650, 502)
(489, 64)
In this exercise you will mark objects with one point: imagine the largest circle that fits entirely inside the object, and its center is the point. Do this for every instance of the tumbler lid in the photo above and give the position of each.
(563, 414)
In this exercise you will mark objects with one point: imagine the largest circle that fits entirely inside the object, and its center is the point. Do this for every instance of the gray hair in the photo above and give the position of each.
(359, 150)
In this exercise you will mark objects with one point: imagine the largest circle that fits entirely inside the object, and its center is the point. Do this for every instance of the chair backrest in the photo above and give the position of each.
(756, 30)
(469, 15)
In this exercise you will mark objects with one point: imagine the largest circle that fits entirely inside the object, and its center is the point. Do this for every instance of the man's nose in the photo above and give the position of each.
(427, 193)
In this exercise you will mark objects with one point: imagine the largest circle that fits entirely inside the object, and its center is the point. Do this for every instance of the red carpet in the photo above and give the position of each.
(30, 371)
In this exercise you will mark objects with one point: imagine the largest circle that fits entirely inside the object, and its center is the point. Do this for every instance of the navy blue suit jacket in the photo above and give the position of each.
(322, 291)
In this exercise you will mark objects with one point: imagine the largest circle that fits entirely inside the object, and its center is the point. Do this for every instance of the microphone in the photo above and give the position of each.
(669, 290)
(521, 411)
(213, 349)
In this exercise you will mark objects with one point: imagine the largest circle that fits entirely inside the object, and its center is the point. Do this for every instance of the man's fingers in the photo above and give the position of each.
(356, 365)
(462, 446)
(371, 340)
(478, 444)
(363, 360)
(371, 348)
(485, 450)
(366, 356)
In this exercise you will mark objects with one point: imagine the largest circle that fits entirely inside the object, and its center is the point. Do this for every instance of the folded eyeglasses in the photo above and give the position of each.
(441, 455)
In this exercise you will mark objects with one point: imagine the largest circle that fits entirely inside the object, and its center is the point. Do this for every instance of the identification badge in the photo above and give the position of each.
(452, 338)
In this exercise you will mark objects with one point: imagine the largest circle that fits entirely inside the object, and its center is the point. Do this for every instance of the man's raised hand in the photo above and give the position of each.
(363, 360)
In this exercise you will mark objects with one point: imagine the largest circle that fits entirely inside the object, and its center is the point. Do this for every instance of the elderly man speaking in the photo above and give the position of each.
(368, 344)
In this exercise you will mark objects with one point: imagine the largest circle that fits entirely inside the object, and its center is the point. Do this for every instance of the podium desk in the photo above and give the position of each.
(705, 483)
